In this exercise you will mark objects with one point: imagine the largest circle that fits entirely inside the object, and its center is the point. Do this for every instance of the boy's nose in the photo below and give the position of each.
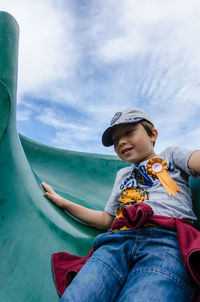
(122, 141)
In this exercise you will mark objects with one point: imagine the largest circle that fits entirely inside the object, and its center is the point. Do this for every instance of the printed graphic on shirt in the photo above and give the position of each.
(129, 197)
(139, 177)
(142, 178)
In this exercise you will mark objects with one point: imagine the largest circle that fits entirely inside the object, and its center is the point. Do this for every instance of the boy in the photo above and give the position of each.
(142, 264)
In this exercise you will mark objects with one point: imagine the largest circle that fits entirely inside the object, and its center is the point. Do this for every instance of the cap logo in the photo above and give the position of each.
(132, 120)
(115, 117)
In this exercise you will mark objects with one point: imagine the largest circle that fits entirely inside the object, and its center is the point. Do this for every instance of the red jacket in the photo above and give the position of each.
(66, 266)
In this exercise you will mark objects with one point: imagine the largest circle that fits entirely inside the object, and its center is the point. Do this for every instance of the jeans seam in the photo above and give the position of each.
(112, 268)
(161, 271)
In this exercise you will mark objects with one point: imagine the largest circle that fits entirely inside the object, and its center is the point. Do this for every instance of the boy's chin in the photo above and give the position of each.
(129, 160)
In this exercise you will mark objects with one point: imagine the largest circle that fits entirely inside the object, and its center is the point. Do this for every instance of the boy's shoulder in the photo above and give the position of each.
(169, 150)
(175, 151)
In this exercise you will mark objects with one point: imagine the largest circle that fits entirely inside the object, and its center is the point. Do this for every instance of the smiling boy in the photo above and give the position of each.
(143, 264)
(132, 143)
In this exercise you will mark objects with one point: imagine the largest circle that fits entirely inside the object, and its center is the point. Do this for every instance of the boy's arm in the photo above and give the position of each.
(97, 219)
(194, 161)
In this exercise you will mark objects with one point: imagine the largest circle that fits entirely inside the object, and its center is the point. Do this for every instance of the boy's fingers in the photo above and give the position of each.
(43, 184)
(47, 187)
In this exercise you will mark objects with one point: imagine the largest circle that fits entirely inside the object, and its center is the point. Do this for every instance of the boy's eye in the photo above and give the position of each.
(129, 132)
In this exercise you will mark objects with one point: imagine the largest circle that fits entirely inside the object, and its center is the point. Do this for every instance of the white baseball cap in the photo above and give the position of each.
(128, 116)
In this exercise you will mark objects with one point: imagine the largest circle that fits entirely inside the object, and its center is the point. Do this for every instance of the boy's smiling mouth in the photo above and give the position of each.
(126, 150)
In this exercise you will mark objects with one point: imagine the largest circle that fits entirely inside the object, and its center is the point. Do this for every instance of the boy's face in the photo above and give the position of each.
(132, 143)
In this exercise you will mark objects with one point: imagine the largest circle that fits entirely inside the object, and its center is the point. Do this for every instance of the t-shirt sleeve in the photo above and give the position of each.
(181, 157)
(113, 200)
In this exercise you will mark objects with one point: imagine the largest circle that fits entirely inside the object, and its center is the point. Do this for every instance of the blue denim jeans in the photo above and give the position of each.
(133, 266)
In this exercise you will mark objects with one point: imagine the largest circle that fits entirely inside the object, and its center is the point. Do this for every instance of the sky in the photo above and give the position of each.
(81, 61)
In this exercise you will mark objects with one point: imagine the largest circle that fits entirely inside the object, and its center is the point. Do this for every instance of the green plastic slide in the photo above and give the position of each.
(31, 227)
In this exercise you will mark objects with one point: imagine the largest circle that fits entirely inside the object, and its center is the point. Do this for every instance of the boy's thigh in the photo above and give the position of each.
(155, 286)
(103, 275)
(159, 277)
(95, 282)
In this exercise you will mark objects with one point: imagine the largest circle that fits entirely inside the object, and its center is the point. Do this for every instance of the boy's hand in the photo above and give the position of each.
(98, 219)
(53, 196)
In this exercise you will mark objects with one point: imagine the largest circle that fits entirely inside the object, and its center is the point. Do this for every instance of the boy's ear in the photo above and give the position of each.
(154, 134)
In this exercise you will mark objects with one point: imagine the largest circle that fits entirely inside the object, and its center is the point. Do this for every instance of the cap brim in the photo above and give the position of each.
(107, 137)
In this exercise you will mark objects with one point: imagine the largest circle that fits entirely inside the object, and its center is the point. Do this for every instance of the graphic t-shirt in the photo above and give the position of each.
(133, 184)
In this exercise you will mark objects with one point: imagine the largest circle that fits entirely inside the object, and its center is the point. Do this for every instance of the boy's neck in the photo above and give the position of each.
(146, 158)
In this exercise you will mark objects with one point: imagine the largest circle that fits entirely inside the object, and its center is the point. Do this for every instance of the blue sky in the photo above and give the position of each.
(81, 61)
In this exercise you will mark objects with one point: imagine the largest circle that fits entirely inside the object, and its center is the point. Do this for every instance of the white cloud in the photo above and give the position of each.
(142, 25)
(46, 50)
(65, 130)
(58, 120)
(74, 135)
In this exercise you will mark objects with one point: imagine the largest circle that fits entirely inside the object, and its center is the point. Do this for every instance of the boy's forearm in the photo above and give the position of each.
(97, 219)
